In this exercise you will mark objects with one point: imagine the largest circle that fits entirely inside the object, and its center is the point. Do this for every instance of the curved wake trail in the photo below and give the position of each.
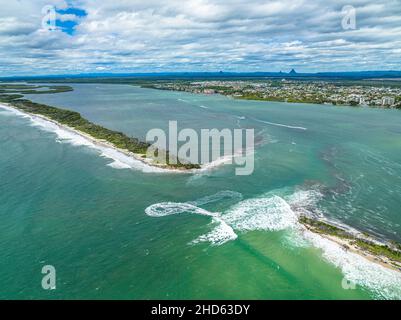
(264, 213)
(271, 212)
(221, 234)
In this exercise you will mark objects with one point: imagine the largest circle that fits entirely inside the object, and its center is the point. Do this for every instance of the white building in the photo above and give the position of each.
(388, 101)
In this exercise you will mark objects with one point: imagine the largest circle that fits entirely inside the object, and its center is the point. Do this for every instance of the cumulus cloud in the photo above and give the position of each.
(199, 35)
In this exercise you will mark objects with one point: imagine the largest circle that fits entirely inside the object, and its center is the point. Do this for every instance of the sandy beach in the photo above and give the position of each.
(348, 246)
(122, 157)
(126, 159)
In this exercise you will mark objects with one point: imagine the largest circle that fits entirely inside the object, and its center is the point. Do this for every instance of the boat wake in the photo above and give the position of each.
(280, 210)
(281, 125)
(222, 232)
(268, 212)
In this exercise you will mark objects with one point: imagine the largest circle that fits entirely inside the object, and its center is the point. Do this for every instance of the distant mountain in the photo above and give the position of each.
(219, 74)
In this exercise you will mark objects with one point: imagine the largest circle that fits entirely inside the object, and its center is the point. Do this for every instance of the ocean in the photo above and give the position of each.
(114, 231)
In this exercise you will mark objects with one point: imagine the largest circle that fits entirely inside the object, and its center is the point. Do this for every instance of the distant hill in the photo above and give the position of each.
(221, 74)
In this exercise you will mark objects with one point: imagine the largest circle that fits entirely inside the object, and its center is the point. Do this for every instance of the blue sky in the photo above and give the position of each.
(126, 36)
(68, 26)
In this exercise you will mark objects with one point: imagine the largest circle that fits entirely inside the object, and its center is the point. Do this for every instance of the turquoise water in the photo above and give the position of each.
(62, 204)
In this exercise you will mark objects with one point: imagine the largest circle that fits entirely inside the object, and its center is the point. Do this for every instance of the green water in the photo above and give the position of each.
(62, 205)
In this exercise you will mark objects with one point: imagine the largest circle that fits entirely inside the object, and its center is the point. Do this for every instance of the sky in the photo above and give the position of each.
(51, 37)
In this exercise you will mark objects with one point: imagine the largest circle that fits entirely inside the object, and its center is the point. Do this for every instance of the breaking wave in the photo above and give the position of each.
(265, 213)
(268, 212)
(221, 233)
(64, 135)
(384, 283)
(273, 212)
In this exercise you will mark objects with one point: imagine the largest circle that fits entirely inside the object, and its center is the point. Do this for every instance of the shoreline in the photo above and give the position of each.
(106, 147)
(360, 244)
(338, 235)
(276, 100)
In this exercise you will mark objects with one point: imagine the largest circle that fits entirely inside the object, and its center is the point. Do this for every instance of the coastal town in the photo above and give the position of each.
(375, 94)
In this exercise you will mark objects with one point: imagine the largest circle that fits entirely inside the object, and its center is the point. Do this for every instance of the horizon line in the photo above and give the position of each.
(127, 74)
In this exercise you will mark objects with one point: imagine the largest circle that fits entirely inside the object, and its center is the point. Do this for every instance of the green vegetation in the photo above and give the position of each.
(398, 102)
(76, 121)
(9, 97)
(13, 94)
(290, 99)
(32, 89)
(380, 250)
(325, 228)
(15, 86)
(312, 91)
(393, 252)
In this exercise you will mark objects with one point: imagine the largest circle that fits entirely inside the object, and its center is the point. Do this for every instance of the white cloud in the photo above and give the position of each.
(200, 35)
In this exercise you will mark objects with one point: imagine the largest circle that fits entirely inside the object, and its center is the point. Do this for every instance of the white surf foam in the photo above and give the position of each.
(169, 208)
(305, 202)
(226, 159)
(221, 234)
(383, 282)
(272, 213)
(120, 160)
(65, 135)
(116, 164)
(281, 125)
(5, 112)
(216, 163)
(13, 111)
(264, 213)
(268, 212)
(226, 194)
